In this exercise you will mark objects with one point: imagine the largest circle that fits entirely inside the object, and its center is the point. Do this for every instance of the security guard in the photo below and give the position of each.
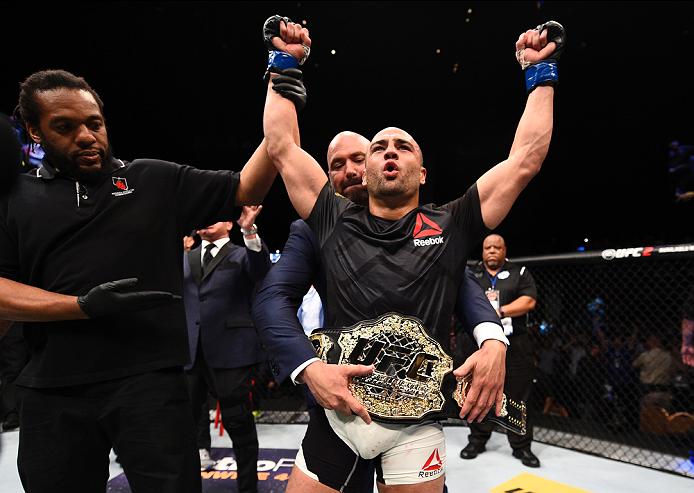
(511, 290)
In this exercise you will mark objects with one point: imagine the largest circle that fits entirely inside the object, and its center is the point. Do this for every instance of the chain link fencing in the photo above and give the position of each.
(607, 335)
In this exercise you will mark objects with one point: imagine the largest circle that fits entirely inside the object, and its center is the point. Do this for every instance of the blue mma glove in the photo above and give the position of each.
(544, 72)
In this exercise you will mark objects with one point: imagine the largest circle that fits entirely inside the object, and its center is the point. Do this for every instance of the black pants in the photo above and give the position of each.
(232, 387)
(519, 379)
(66, 435)
(14, 355)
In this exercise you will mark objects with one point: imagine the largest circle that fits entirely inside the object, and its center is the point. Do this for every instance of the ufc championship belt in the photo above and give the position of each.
(409, 369)
(409, 366)
(513, 415)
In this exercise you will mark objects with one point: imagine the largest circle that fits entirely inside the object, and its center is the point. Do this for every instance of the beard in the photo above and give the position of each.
(493, 264)
(359, 196)
(381, 188)
(356, 193)
(68, 165)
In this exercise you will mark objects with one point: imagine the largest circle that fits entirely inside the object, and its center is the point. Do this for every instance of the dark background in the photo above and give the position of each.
(182, 81)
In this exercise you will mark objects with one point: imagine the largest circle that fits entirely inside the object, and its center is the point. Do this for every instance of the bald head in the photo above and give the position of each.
(493, 252)
(346, 159)
(398, 133)
(348, 139)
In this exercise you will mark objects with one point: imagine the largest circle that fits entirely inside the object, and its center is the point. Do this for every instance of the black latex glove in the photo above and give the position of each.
(115, 297)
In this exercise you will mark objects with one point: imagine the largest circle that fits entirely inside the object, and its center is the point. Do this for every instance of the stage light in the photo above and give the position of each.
(332, 52)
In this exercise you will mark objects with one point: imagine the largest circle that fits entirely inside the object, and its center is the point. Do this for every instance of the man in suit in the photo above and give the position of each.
(219, 282)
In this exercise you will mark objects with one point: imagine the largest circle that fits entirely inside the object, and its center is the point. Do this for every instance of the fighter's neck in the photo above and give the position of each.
(393, 209)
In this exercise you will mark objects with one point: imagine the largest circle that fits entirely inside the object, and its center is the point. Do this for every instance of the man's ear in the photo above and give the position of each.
(33, 133)
(423, 176)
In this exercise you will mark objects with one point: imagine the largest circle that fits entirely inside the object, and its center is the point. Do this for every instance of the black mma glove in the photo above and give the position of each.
(544, 72)
(115, 297)
(288, 84)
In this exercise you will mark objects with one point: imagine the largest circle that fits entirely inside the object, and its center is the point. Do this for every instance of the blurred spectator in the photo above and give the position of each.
(681, 170)
(656, 366)
(687, 350)
(623, 383)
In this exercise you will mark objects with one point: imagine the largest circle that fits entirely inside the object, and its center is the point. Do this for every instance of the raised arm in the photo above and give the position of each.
(500, 186)
(302, 175)
(256, 177)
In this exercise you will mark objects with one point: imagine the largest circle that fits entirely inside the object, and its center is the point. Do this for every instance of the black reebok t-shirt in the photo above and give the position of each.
(67, 237)
(413, 266)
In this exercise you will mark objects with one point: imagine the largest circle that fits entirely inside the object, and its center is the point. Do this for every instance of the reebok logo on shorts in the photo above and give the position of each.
(424, 228)
(433, 466)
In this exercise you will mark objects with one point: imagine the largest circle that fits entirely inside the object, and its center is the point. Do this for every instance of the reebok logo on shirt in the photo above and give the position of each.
(425, 228)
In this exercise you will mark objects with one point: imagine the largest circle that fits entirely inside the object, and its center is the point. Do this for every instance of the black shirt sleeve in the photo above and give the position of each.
(328, 208)
(526, 283)
(467, 215)
(204, 197)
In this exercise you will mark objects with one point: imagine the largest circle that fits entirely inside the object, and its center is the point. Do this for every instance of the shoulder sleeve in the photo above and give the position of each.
(328, 208)
(467, 215)
(277, 302)
(9, 254)
(526, 283)
(203, 197)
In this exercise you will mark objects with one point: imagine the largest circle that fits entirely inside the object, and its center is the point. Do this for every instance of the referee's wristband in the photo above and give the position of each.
(545, 73)
(250, 232)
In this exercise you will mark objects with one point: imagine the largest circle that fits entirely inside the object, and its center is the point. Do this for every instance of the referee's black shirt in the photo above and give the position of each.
(64, 236)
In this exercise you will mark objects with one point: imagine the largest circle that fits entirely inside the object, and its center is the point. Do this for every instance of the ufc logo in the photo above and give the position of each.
(393, 360)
